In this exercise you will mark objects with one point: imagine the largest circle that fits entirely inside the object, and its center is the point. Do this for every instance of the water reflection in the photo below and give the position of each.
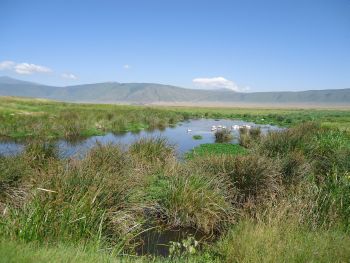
(178, 135)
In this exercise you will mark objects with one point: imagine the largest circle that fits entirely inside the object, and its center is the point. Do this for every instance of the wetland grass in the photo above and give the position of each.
(33, 118)
(284, 198)
(223, 135)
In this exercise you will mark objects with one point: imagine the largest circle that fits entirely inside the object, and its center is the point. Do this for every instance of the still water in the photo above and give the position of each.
(180, 136)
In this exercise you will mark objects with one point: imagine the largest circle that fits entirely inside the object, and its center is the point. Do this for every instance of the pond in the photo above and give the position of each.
(181, 136)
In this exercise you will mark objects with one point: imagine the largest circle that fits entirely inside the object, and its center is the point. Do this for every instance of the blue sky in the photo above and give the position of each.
(256, 45)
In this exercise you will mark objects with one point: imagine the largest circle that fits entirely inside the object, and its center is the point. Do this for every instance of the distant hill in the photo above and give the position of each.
(148, 93)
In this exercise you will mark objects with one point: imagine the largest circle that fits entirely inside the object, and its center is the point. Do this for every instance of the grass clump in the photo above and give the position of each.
(216, 149)
(285, 199)
(255, 178)
(249, 137)
(197, 137)
(152, 150)
(189, 199)
(282, 242)
(223, 135)
(74, 201)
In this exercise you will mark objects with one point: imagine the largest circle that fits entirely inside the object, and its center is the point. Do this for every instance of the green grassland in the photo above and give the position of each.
(29, 118)
(280, 197)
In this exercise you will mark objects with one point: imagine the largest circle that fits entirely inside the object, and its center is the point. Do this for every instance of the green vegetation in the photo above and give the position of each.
(216, 149)
(23, 118)
(197, 137)
(223, 135)
(37, 118)
(284, 196)
(249, 136)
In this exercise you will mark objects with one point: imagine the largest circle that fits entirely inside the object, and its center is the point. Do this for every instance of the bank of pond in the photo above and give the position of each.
(266, 194)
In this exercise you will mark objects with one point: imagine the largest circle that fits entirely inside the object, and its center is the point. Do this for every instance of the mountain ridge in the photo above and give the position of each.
(148, 93)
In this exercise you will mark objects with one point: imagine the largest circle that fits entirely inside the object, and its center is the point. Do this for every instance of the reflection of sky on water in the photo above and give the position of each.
(179, 136)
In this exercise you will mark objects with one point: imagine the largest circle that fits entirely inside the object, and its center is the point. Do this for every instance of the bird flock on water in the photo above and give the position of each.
(223, 127)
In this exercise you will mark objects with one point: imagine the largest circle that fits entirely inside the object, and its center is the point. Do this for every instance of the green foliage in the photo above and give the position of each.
(333, 200)
(249, 136)
(216, 149)
(28, 118)
(254, 178)
(197, 137)
(285, 199)
(282, 242)
(189, 199)
(152, 150)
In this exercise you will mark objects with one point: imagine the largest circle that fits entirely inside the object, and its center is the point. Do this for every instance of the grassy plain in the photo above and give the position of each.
(284, 197)
(28, 118)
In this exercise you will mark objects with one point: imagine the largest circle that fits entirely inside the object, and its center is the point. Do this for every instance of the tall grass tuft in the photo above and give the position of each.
(193, 199)
(251, 241)
(152, 151)
(223, 135)
(249, 137)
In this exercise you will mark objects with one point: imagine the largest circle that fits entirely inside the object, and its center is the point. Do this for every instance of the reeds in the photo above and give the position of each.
(113, 194)
(223, 135)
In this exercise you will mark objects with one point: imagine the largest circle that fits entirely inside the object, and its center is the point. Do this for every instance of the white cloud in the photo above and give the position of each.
(126, 66)
(23, 68)
(69, 76)
(26, 68)
(217, 83)
(7, 64)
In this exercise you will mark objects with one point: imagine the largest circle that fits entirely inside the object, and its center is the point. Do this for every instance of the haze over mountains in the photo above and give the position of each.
(151, 93)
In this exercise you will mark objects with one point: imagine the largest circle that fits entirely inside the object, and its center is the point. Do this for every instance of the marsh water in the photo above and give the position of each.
(152, 242)
(181, 136)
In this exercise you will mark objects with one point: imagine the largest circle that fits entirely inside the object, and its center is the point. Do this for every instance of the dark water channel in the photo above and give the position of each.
(158, 241)
(180, 135)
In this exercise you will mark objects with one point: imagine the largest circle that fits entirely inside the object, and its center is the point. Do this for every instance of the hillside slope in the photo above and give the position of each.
(110, 92)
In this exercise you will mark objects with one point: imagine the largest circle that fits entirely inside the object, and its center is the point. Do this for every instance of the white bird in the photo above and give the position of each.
(219, 126)
(189, 130)
(213, 129)
(248, 126)
(235, 127)
(224, 127)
